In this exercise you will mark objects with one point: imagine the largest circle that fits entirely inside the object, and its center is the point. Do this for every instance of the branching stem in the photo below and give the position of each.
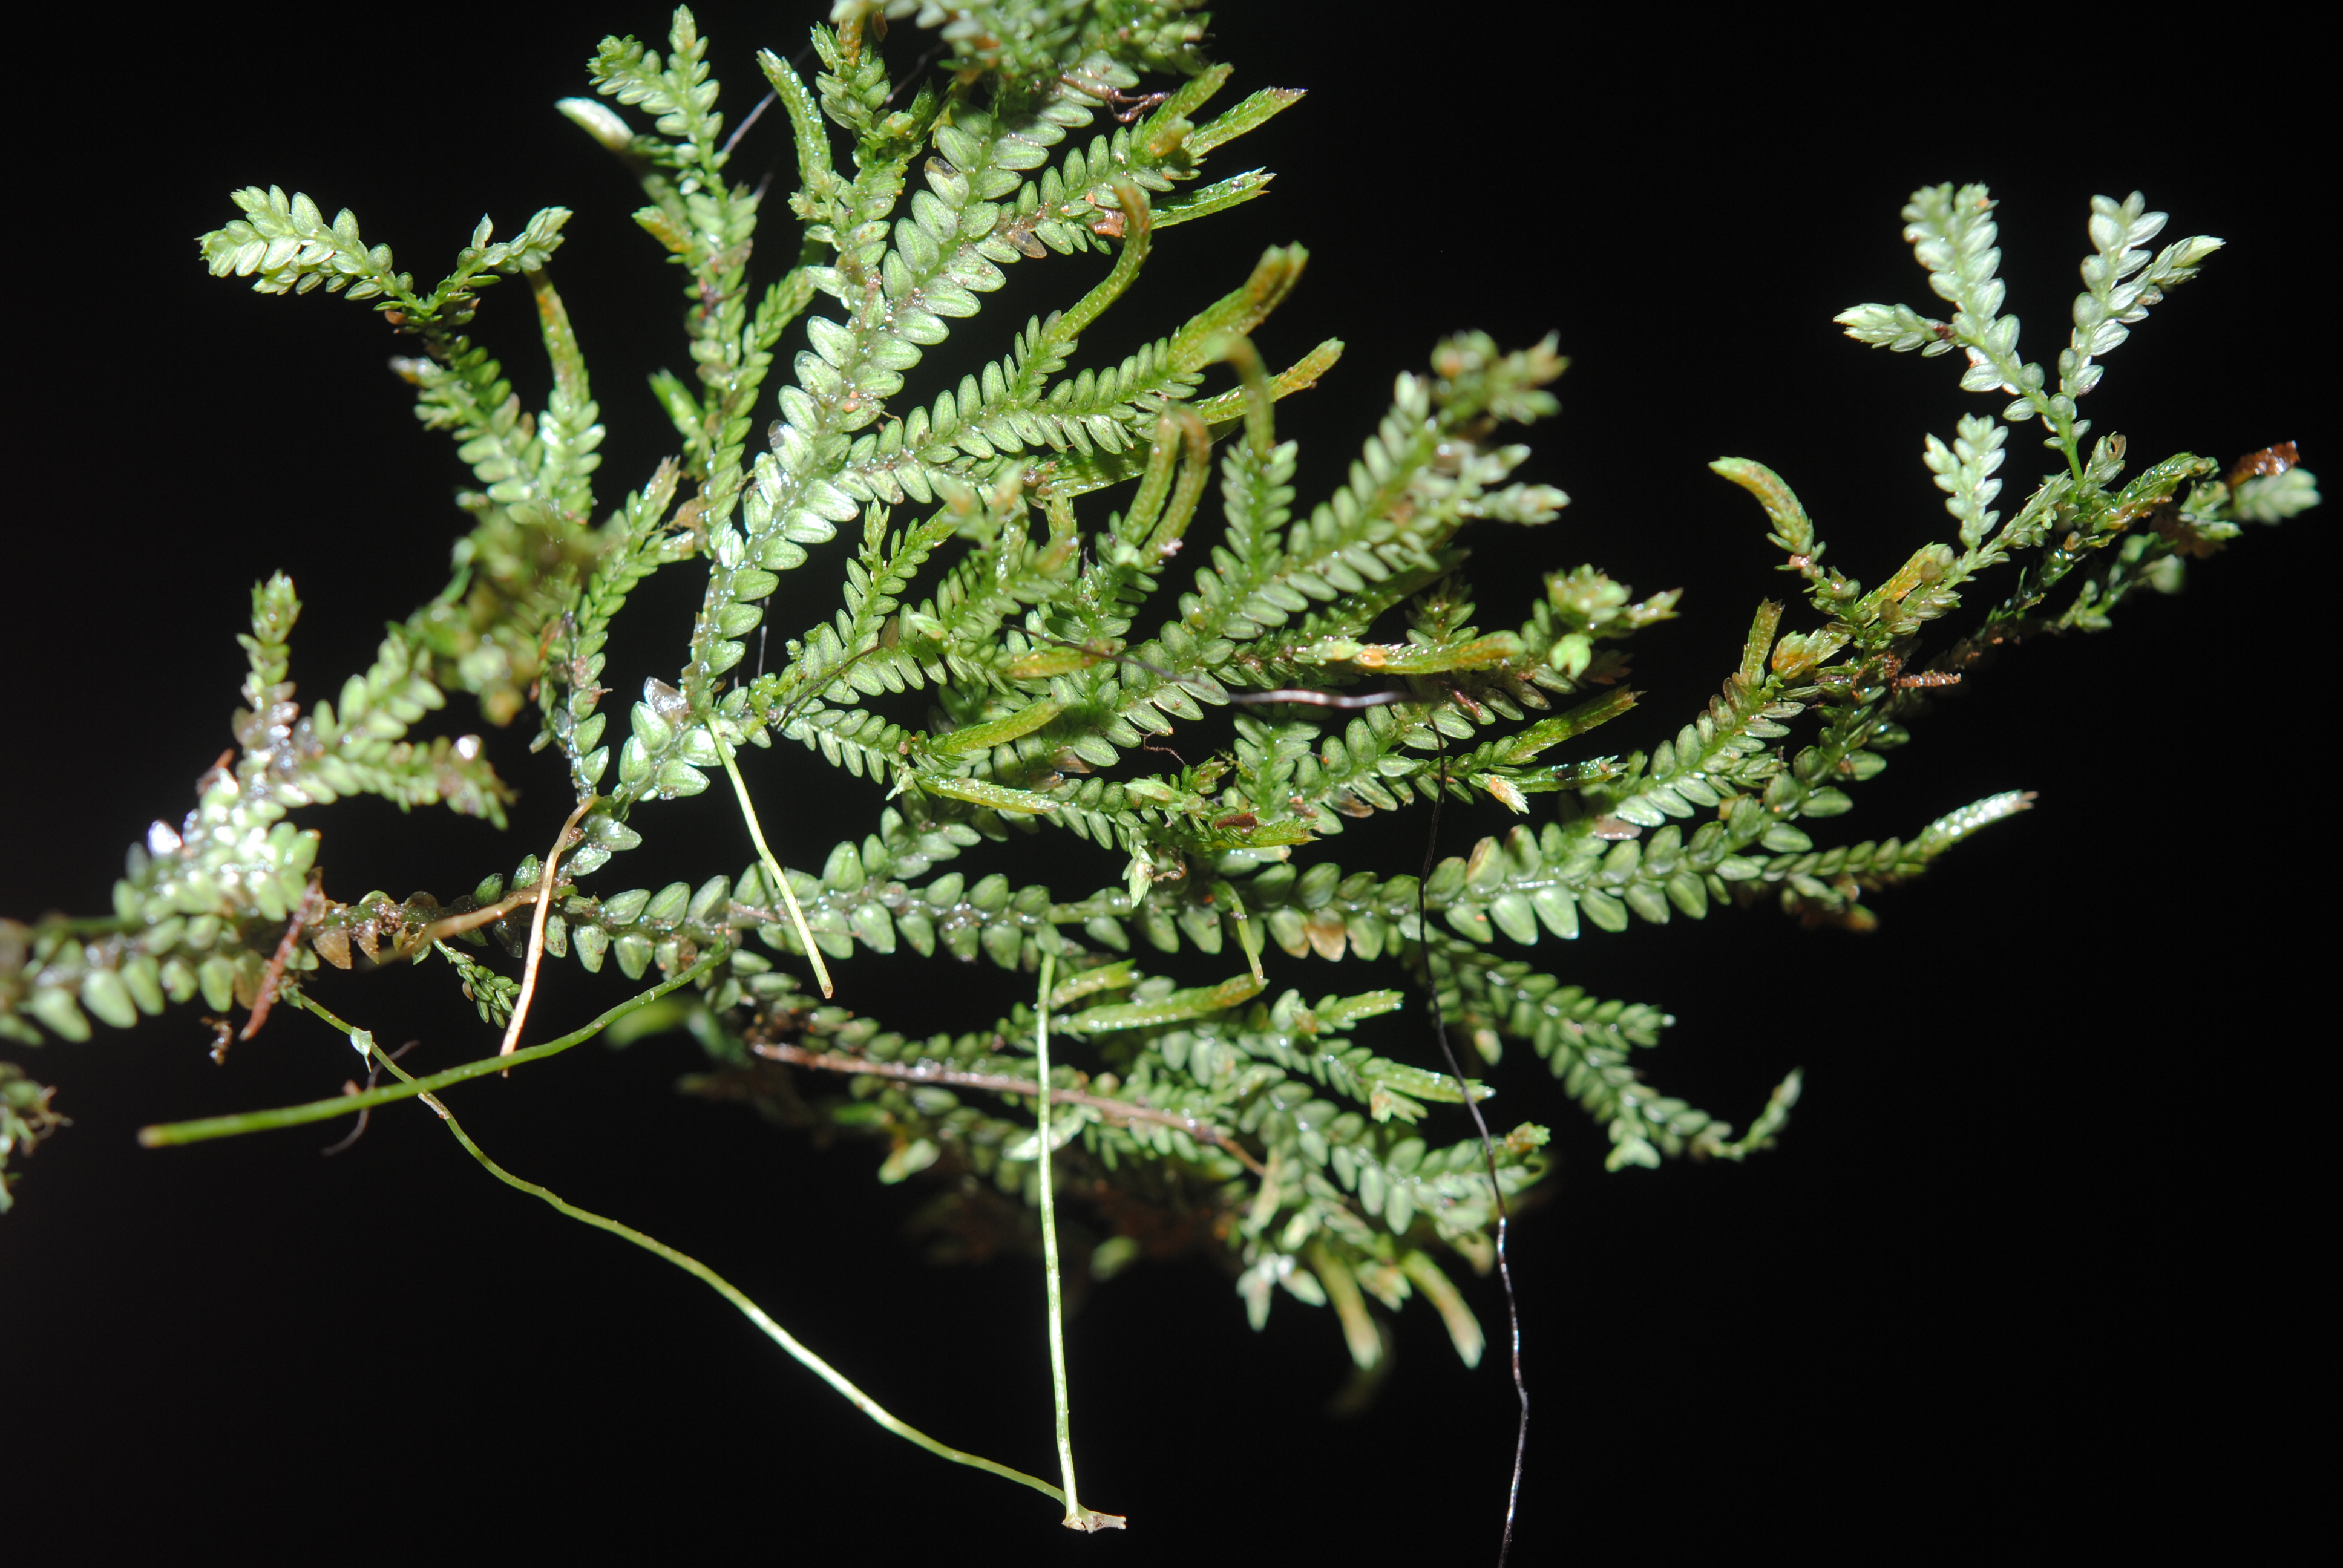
(998, 1083)
(470, 920)
(170, 1134)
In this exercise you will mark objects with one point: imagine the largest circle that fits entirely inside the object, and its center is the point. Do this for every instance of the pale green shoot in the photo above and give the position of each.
(772, 867)
(1076, 1516)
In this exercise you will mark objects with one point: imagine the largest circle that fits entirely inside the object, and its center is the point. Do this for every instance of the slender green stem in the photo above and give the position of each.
(773, 866)
(295, 997)
(725, 1288)
(210, 1127)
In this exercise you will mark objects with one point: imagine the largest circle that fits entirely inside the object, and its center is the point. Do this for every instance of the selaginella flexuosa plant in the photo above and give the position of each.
(1064, 621)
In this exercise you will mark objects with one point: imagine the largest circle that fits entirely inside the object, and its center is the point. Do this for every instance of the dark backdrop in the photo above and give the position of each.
(2029, 1261)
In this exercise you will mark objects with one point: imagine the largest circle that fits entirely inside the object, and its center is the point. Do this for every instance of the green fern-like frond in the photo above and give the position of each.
(1080, 591)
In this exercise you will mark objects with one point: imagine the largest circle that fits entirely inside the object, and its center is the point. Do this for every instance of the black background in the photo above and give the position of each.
(2030, 1265)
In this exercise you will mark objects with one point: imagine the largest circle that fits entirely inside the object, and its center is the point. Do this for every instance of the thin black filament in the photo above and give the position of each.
(1488, 1151)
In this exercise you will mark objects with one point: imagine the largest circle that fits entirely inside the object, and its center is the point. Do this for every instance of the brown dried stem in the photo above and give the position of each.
(487, 914)
(922, 1072)
(537, 926)
(313, 904)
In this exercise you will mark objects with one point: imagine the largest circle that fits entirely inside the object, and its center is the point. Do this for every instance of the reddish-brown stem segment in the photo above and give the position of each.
(313, 904)
(487, 914)
(537, 926)
(831, 1061)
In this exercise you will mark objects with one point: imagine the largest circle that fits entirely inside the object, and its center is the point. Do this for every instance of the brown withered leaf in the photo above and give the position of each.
(2270, 460)
(1325, 932)
(2177, 531)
